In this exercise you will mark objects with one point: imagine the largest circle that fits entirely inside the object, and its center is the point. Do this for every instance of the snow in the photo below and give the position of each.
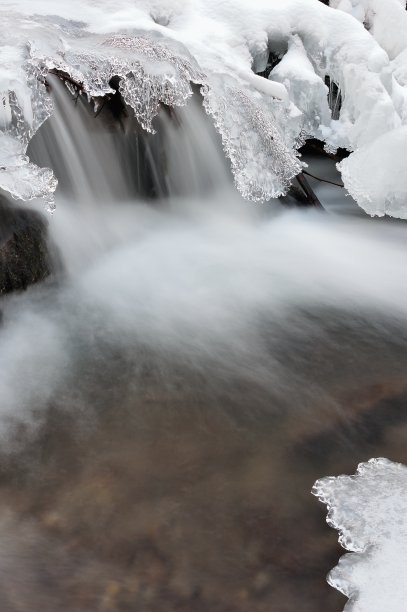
(307, 90)
(160, 47)
(386, 20)
(368, 510)
(375, 174)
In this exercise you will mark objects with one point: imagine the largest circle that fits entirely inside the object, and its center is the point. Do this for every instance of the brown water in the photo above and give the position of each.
(191, 492)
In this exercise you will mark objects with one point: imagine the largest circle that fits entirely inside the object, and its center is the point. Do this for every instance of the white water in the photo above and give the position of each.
(195, 274)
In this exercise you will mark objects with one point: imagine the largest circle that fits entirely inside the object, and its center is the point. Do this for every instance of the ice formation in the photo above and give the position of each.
(368, 510)
(160, 47)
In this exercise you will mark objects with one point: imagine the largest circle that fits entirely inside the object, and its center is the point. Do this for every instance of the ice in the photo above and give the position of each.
(263, 165)
(368, 510)
(151, 72)
(159, 48)
(21, 178)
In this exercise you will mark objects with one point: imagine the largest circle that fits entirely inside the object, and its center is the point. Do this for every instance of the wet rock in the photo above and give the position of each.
(24, 256)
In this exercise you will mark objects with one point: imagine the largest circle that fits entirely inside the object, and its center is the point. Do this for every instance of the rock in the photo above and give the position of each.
(24, 255)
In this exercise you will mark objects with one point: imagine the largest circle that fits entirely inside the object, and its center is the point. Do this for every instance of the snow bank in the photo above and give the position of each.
(386, 20)
(160, 47)
(368, 510)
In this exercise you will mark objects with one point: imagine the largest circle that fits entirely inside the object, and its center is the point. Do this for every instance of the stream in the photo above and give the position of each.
(194, 363)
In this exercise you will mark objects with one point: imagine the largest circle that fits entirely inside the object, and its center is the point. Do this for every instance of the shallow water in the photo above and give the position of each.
(170, 396)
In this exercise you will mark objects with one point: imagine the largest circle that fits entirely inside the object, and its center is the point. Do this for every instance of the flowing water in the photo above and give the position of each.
(194, 364)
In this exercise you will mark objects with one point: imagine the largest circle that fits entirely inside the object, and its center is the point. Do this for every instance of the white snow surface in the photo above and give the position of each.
(160, 47)
(374, 174)
(368, 510)
(386, 20)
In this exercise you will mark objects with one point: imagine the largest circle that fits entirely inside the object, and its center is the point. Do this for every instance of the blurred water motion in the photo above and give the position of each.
(194, 365)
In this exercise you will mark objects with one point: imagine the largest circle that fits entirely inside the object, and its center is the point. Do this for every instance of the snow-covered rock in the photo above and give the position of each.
(375, 174)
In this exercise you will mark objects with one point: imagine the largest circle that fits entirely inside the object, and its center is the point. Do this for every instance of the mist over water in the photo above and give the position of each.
(166, 390)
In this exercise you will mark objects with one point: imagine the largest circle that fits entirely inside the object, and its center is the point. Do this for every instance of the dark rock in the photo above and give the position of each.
(24, 255)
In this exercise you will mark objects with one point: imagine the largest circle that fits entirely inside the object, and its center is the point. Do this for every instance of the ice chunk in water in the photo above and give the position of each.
(368, 510)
